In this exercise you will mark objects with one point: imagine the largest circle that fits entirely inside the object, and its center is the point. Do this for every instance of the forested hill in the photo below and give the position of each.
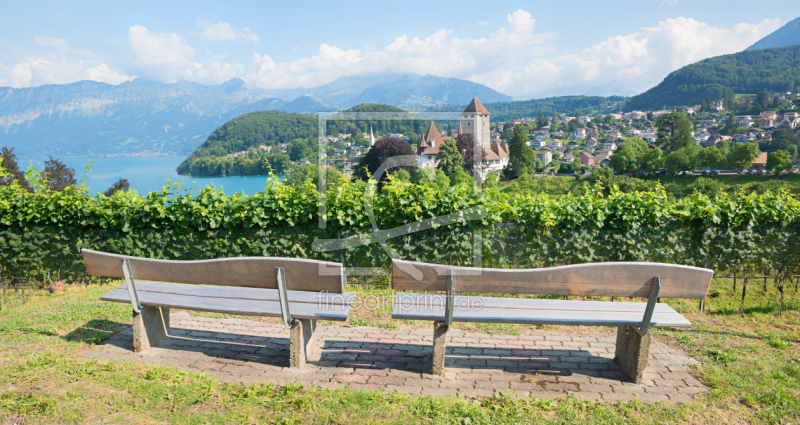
(506, 111)
(746, 72)
(248, 132)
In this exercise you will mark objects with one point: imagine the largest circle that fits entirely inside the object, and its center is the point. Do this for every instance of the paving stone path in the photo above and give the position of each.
(546, 366)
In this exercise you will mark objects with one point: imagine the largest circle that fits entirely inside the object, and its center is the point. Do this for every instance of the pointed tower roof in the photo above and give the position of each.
(431, 142)
(477, 107)
(460, 130)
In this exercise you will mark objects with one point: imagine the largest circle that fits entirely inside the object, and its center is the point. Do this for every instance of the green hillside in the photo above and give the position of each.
(300, 132)
(564, 105)
(745, 72)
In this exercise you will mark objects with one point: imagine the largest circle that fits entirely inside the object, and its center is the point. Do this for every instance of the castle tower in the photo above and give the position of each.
(476, 118)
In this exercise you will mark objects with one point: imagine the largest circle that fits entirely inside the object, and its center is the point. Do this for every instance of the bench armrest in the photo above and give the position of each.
(652, 300)
(134, 296)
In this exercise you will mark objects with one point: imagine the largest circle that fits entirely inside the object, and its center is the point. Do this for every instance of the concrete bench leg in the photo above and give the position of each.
(302, 342)
(439, 348)
(632, 352)
(149, 327)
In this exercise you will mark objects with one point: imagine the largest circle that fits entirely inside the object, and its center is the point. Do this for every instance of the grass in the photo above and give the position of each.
(751, 365)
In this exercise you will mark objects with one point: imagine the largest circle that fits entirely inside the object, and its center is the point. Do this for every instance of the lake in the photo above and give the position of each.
(149, 174)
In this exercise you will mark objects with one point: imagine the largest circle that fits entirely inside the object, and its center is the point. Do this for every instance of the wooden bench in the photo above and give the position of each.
(299, 291)
(646, 280)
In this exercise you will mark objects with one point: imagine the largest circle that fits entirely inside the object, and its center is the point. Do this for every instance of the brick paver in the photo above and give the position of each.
(549, 365)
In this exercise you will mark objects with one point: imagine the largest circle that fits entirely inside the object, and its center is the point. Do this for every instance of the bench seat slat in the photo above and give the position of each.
(540, 312)
(260, 294)
(540, 304)
(228, 305)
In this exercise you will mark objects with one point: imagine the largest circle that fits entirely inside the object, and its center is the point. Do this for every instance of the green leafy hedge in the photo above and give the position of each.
(42, 233)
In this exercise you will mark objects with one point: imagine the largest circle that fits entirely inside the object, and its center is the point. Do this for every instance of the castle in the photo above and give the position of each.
(475, 121)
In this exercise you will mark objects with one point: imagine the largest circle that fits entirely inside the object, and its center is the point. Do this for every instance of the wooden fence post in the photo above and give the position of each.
(744, 292)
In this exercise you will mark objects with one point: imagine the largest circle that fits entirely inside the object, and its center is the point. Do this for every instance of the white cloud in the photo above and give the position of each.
(480, 59)
(223, 31)
(514, 59)
(46, 41)
(163, 56)
(642, 59)
(35, 67)
(670, 3)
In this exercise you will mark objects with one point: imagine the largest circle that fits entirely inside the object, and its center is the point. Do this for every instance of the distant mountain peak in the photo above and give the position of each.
(787, 35)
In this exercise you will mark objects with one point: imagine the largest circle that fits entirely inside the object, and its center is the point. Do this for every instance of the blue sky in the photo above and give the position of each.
(524, 49)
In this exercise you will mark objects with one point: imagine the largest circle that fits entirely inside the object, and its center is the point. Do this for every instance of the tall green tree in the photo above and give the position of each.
(682, 159)
(711, 157)
(762, 98)
(652, 160)
(743, 154)
(783, 139)
(521, 156)
(779, 161)
(449, 159)
(728, 100)
(628, 158)
(11, 167)
(674, 131)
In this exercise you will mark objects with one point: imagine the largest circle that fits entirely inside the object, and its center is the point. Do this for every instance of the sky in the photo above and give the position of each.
(523, 49)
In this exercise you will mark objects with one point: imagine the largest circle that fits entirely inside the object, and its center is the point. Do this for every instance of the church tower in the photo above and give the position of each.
(476, 122)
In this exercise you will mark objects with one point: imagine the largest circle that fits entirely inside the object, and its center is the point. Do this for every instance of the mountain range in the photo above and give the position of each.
(787, 35)
(143, 116)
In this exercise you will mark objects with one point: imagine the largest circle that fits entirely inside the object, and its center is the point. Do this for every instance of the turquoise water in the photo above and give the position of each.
(149, 174)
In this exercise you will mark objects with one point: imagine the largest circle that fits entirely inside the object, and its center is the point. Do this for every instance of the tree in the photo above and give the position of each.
(783, 139)
(57, 175)
(450, 129)
(730, 124)
(727, 102)
(680, 160)
(628, 157)
(460, 177)
(743, 154)
(541, 120)
(466, 146)
(521, 156)
(779, 161)
(763, 99)
(674, 131)
(704, 105)
(121, 186)
(384, 149)
(298, 149)
(711, 157)
(11, 167)
(652, 159)
(280, 162)
(432, 177)
(449, 159)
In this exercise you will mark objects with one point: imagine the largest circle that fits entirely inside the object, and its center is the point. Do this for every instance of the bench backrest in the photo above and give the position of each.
(256, 272)
(594, 279)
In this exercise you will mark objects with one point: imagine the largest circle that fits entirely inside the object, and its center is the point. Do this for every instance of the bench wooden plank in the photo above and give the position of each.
(244, 307)
(529, 303)
(258, 272)
(256, 294)
(618, 279)
(570, 314)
